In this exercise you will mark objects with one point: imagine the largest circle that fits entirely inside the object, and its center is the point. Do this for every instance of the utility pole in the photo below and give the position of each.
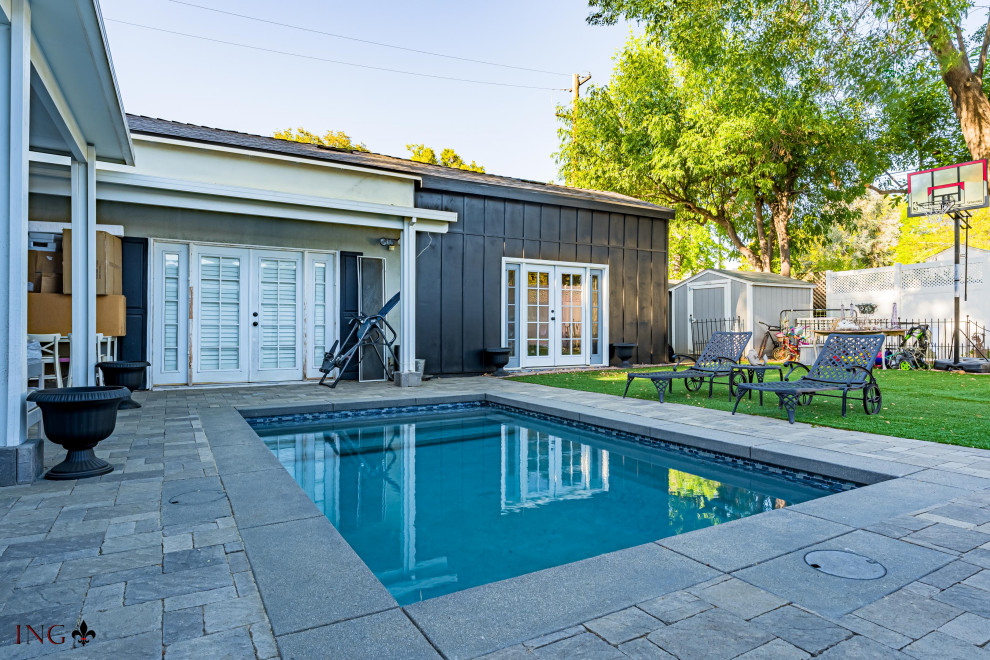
(576, 86)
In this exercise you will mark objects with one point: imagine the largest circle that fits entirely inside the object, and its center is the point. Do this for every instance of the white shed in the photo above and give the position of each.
(733, 299)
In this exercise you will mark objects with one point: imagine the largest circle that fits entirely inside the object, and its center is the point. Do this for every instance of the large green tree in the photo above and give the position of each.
(744, 135)
(332, 139)
(448, 158)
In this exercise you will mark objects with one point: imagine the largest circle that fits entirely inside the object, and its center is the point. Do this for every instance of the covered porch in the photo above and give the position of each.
(60, 99)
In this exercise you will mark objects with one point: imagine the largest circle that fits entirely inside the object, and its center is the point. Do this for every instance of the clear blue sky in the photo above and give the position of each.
(509, 131)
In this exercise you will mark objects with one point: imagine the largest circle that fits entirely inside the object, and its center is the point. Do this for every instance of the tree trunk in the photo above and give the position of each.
(761, 234)
(969, 101)
(737, 243)
(781, 210)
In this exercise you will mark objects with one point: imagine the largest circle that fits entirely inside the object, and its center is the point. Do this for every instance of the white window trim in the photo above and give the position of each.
(587, 267)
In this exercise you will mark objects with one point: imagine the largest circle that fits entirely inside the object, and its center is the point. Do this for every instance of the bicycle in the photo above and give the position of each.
(792, 340)
(770, 335)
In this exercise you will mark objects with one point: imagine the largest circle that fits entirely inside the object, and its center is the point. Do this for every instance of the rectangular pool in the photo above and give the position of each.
(436, 501)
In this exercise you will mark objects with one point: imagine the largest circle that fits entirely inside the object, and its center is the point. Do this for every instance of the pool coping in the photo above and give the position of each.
(488, 617)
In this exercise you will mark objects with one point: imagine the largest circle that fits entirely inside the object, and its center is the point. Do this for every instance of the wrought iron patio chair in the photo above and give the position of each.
(371, 332)
(844, 364)
(721, 353)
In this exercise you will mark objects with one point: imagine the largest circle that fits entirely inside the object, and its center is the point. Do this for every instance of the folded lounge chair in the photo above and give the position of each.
(844, 364)
(721, 353)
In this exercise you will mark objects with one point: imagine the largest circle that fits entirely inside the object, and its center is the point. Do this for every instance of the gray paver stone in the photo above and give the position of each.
(185, 560)
(777, 649)
(517, 652)
(624, 625)
(233, 613)
(710, 635)
(945, 647)
(234, 643)
(644, 649)
(550, 638)
(969, 628)
(967, 598)
(741, 598)
(180, 625)
(802, 629)
(862, 648)
(126, 621)
(176, 584)
(950, 574)
(674, 607)
(585, 646)
(949, 537)
(263, 640)
(963, 513)
(108, 597)
(980, 580)
(885, 636)
(909, 614)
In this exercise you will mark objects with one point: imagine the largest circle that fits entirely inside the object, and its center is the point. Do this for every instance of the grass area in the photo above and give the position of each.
(926, 405)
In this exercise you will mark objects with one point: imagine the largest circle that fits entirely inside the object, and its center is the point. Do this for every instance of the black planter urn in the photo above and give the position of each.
(498, 358)
(125, 374)
(624, 352)
(78, 418)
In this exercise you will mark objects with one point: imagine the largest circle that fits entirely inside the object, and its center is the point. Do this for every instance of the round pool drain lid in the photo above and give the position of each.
(845, 564)
(198, 497)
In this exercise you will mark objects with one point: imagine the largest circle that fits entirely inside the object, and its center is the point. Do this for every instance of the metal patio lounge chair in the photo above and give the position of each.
(844, 364)
(721, 353)
(370, 332)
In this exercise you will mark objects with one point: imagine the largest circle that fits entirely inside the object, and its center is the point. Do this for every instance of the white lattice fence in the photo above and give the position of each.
(919, 290)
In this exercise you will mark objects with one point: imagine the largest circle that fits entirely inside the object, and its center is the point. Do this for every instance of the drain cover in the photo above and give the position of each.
(198, 497)
(844, 564)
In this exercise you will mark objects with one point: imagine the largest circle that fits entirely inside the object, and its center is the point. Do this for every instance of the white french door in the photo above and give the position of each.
(276, 316)
(221, 339)
(539, 300)
(569, 331)
(230, 314)
(554, 314)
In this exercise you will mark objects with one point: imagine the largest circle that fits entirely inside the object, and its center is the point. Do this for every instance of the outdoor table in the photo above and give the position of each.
(748, 371)
(886, 332)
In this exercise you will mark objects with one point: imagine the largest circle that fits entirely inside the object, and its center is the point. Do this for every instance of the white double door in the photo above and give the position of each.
(247, 321)
(555, 327)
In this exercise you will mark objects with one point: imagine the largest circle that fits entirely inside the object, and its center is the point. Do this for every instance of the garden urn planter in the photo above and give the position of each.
(78, 418)
(498, 358)
(624, 352)
(125, 374)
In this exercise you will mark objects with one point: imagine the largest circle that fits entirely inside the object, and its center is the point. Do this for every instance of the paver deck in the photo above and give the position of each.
(200, 545)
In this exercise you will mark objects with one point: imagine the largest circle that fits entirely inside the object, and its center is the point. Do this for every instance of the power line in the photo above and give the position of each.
(365, 41)
(324, 59)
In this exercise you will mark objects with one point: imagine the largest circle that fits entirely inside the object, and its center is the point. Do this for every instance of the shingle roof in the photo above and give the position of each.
(164, 128)
(767, 279)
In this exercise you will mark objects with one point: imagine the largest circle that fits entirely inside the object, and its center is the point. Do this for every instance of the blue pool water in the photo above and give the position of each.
(436, 502)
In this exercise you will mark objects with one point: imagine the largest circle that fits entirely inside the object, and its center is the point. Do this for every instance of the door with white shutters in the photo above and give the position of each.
(220, 314)
(170, 335)
(276, 316)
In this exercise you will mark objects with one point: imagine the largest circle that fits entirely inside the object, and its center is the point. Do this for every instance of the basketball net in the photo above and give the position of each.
(940, 209)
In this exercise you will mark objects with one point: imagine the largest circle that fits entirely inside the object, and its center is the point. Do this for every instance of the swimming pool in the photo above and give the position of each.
(443, 499)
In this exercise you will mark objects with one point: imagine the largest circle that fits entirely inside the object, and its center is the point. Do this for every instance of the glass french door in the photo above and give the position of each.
(220, 314)
(554, 320)
(276, 316)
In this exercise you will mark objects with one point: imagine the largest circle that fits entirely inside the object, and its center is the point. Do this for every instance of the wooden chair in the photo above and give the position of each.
(50, 356)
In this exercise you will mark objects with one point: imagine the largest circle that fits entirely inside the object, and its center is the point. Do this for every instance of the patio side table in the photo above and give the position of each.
(749, 371)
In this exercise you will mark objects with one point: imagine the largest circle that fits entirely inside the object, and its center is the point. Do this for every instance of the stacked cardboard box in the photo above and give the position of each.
(44, 269)
(50, 286)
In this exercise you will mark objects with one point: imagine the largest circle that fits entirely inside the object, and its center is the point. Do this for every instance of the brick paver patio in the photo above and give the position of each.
(152, 558)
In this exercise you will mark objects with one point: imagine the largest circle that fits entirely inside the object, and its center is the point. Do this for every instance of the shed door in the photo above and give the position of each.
(707, 306)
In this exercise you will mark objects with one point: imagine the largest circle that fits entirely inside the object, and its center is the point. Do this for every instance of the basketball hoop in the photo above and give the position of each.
(939, 210)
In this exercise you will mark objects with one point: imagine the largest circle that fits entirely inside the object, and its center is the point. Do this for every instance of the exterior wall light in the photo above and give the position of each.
(389, 243)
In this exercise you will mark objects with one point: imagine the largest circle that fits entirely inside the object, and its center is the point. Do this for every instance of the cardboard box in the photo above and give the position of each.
(51, 313)
(109, 255)
(49, 283)
(44, 241)
(44, 262)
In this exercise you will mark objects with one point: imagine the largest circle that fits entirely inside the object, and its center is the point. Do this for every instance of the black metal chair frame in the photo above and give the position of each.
(721, 353)
(832, 371)
(372, 332)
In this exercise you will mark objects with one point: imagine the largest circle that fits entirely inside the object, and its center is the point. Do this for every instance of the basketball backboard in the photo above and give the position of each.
(951, 188)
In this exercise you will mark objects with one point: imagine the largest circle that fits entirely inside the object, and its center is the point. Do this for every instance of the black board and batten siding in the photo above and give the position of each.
(459, 274)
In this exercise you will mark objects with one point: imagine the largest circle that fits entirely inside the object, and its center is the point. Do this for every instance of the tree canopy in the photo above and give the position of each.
(448, 158)
(760, 118)
(332, 139)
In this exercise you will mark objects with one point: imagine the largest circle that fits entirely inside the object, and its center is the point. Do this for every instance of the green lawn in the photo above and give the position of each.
(927, 405)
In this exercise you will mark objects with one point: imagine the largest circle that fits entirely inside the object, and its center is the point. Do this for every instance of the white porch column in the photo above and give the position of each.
(82, 349)
(15, 111)
(407, 302)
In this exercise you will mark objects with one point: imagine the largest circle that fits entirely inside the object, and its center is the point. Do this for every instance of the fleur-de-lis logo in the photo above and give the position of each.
(83, 634)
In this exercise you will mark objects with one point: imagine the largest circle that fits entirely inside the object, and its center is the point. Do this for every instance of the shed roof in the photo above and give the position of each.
(757, 279)
(433, 176)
